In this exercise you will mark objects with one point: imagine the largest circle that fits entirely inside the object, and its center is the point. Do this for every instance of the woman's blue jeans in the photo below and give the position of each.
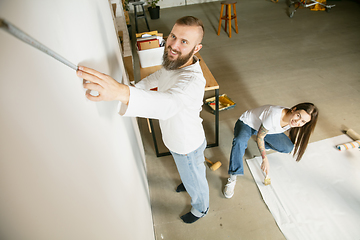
(242, 133)
(192, 172)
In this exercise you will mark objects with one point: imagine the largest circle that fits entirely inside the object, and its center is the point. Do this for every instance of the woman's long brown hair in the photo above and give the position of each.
(300, 135)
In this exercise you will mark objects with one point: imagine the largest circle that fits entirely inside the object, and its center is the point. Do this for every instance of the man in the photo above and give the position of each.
(177, 105)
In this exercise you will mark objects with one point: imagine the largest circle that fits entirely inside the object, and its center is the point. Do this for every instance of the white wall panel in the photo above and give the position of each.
(69, 168)
(177, 3)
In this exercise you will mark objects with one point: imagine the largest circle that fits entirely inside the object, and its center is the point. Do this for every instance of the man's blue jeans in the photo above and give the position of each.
(242, 133)
(192, 172)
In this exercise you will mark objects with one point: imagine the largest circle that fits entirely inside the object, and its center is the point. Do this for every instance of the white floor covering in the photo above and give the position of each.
(316, 198)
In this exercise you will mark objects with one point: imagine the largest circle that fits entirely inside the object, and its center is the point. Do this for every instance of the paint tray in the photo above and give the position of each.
(225, 103)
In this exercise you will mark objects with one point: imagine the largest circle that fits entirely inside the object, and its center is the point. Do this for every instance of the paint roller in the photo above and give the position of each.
(16, 32)
(19, 34)
(267, 180)
(355, 144)
(347, 146)
(213, 166)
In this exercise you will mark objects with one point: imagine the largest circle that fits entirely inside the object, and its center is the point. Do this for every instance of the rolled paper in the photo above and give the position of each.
(346, 146)
(354, 135)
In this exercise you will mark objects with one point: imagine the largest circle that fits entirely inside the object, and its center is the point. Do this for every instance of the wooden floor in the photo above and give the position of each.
(315, 56)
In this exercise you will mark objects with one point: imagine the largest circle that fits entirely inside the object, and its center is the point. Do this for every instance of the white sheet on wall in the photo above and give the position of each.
(69, 167)
(316, 198)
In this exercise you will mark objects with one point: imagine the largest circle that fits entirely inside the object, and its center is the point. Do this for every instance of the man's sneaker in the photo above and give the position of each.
(229, 188)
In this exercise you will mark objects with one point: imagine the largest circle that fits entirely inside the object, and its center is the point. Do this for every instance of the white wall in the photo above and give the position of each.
(175, 3)
(69, 168)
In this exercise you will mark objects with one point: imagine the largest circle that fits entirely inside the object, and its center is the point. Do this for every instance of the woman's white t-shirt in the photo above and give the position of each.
(269, 116)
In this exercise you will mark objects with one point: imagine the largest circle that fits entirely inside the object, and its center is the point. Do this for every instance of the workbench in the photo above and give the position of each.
(211, 84)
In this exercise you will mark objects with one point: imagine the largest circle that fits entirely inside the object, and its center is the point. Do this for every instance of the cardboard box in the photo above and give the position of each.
(148, 44)
(151, 57)
(152, 33)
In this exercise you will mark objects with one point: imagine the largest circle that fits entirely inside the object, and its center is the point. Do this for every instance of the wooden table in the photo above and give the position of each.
(211, 84)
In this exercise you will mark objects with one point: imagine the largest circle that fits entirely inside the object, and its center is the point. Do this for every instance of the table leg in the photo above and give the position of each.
(217, 117)
(216, 121)
(155, 142)
(209, 145)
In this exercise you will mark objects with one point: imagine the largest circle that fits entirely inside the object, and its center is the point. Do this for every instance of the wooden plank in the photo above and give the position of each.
(211, 83)
(128, 64)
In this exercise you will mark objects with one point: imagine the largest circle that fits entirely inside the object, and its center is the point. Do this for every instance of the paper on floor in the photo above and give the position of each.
(316, 198)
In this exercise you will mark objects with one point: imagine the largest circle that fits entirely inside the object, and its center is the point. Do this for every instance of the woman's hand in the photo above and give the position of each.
(265, 166)
(107, 87)
(261, 145)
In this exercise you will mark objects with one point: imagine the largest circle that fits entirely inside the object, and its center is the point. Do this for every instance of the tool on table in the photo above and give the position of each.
(7, 26)
(213, 166)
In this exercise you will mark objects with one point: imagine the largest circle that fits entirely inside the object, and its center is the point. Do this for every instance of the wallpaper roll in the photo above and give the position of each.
(354, 135)
(346, 146)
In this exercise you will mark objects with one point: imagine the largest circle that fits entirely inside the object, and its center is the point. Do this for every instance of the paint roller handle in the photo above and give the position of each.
(18, 33)
(209, 161)
(354, 135)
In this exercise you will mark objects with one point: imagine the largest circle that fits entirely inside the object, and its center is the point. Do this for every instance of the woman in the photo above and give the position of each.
(269, 124)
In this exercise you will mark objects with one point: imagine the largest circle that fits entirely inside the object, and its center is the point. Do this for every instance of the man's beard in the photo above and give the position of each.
(175, 64)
